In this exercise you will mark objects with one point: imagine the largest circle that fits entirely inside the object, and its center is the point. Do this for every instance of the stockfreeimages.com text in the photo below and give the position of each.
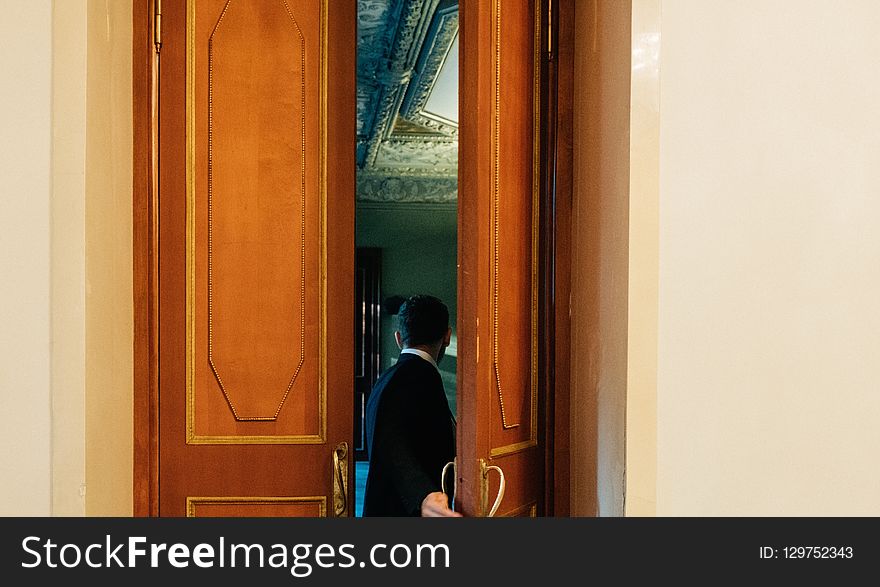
(300, 559)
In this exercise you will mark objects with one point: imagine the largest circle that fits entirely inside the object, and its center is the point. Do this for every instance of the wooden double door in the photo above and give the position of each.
(255, 270)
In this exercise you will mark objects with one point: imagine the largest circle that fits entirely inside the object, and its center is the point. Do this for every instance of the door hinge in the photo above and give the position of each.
(157, 25)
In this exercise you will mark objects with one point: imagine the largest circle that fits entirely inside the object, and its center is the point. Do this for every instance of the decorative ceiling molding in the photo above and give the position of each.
(406, 189)
(451, 206)
(433, 157)
(402, 45)
(393, 76)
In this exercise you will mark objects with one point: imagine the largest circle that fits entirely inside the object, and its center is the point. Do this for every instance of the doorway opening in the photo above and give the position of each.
(407, 185)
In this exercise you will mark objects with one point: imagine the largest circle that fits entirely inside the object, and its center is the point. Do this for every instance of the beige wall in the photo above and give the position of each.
(747, 346)
(68, 261)
(599, 256)
(768, 399)
(109, 314)
(768, 329)
(644, 208)
(65, 247)
(25, 166)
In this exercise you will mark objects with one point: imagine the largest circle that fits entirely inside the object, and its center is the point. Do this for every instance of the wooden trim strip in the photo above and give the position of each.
(145, 478)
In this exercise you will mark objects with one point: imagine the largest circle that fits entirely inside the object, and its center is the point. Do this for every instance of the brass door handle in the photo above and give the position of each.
(484, 487)
(446, 467)
(340, 479)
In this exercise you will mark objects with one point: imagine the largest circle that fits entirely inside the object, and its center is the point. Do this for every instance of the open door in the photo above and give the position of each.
(256, 257)
(499, 178)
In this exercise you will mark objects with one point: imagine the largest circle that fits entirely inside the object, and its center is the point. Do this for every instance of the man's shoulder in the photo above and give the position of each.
(407, 366)
(403, 374)
(400, 372)
(387, 381)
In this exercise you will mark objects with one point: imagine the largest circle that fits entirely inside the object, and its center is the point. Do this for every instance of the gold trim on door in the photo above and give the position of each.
(536, 179)
(192, 502)
(529, 510)
(191, 437)
(302, 308)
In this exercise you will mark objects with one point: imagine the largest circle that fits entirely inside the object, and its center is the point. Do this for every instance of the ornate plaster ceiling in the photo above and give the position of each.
(407, 127)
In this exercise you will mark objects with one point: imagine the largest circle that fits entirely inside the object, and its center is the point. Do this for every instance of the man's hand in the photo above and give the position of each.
(435, 506)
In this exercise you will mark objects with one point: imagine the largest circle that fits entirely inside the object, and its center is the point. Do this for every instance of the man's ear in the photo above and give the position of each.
(398, 339)
(448, 338)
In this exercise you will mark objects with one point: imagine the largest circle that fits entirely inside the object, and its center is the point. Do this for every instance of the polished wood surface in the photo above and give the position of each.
(257, 199)
(256, 362)
(499, 202)
(547, 245)
(256, 508)
(252, 256)
(562, 282)
(145, 362)
(212, 471)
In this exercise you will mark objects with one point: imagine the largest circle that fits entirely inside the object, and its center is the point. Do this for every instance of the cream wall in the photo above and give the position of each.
(768, 329)
(108, 245)
(643, 269)
(768, 399)
(25, 166)
(68, 261)
(747, 350)
(65, 249)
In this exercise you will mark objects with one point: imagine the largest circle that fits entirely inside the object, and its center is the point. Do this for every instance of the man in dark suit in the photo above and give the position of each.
(410, 429)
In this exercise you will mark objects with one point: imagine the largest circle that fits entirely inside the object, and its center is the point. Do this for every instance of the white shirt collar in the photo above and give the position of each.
(421, 354)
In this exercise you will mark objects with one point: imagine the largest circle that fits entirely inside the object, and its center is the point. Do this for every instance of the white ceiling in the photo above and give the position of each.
(443, 100)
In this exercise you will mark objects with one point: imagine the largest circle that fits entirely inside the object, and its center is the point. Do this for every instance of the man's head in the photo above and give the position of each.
(423, 323)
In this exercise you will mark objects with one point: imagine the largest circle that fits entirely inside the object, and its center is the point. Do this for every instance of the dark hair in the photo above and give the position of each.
(392, 304)
(422, 319)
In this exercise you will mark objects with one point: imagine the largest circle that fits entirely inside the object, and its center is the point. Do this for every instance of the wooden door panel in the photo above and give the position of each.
(256, 507)
(255, 209)
(255, 203)
(498, 278)
(251, 311)
(514, 208)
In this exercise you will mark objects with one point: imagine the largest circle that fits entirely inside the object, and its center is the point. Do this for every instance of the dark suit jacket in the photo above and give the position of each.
(410, 437)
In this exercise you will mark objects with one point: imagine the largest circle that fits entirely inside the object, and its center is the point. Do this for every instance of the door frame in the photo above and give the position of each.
(554, 279)
(145, 256)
